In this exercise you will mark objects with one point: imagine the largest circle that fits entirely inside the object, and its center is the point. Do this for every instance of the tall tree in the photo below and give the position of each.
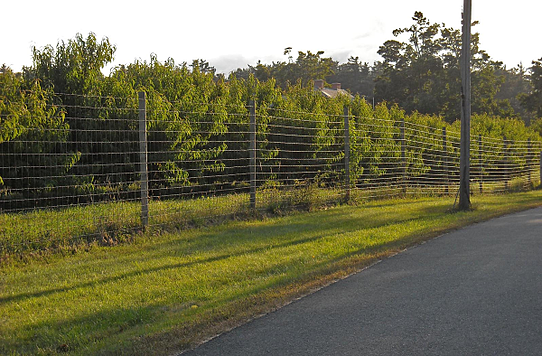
(422, 73)
(516, 84)
(73, 70)
(355, 76)
(307, 66)
(73, 67)
(533, 100)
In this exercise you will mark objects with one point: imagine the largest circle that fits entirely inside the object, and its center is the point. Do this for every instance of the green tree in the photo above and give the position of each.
(307, 67)
(73, 70)
(203, 66)
(73, 67)
(355, 76)
(515, 85)
(532, 101)
(413, 70)
(33, 135)
(422, 73)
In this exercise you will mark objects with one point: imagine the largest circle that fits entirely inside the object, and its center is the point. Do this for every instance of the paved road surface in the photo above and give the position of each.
(476, 291)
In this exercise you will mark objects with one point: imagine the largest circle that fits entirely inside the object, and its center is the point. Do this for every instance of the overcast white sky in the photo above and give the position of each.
(233, 33)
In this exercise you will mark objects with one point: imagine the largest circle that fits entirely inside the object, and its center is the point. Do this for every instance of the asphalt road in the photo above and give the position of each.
(475, 291)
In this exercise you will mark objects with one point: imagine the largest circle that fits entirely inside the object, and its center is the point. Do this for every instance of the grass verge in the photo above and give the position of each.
(163, 294)
(60, 231)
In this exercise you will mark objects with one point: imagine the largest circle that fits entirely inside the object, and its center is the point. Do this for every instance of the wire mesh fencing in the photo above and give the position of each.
(110, 167)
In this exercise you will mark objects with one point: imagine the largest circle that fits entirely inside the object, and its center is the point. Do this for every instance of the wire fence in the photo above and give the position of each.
(112, 167)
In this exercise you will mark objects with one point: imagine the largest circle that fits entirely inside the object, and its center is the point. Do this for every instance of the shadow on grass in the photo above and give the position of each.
(101, 327)
(78, 333)
(18, 297)
(253, 239)
(215, 244)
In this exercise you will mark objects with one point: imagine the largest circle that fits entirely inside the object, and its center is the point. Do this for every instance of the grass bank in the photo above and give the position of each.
(163, 294)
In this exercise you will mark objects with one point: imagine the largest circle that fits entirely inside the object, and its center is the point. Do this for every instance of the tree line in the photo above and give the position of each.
(420, 72)
(198, 120)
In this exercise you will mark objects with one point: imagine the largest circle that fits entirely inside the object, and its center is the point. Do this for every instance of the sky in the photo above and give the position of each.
(232, 34)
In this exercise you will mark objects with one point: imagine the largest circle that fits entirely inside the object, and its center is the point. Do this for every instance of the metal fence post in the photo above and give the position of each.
(347, 152)
(252, 151)
(540, 164)
(143, 160)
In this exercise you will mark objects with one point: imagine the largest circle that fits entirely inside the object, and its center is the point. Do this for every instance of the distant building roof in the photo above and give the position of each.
(332, 92)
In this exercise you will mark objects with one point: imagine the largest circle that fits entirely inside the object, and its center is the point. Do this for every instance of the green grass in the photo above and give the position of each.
(59, 230)
(50, 231)
(164, 293)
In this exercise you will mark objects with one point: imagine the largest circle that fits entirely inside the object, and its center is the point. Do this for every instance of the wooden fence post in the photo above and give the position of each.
(347, 152)
(445, 160)
(481, 165)
(252, 151)
(505, 160)
(528, 163)
(403, 156)
(143, 160)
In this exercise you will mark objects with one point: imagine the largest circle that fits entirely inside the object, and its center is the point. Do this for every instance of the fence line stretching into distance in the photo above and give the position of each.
(111, 171)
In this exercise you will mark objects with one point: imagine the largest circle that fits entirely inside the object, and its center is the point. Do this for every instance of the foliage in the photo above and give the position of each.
(198, 123)
(355, 76)
(307, 67)
(422, 73)
(33, 135)
(516, 84)
(73, 67)
(532, 101)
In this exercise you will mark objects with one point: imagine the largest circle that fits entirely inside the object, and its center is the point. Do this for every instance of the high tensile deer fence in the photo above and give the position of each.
(112, 167)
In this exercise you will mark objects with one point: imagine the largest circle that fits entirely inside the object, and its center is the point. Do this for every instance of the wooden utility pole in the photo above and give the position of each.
(464, 161)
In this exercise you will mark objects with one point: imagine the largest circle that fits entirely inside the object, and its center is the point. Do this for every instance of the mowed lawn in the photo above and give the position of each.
(164, 293)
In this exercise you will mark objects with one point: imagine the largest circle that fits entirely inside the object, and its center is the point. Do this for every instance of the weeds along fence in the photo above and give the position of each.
(105, 168)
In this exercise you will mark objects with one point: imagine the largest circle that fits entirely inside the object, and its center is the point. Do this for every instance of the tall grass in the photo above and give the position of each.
(109, 223)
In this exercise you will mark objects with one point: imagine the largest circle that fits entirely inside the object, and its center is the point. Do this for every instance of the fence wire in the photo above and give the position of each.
(80, 179)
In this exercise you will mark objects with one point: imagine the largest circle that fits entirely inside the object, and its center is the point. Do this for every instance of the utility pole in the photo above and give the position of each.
(464, 160)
